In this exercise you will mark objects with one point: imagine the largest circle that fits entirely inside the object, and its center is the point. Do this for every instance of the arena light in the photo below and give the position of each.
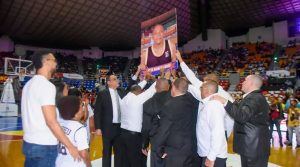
(275, 58)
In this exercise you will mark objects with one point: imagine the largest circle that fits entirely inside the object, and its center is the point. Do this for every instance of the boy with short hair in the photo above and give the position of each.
(72, 110)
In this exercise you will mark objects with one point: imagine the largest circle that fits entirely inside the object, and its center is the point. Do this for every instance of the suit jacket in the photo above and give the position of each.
(177, 130)
(103, 112)
(151, 112)
(251, 125)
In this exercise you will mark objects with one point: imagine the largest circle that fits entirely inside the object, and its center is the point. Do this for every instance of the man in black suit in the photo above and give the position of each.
(107, 120)
(151, 112)
(251, 124)
(176, 135)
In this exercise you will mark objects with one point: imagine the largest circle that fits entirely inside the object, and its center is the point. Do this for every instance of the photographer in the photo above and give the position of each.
(293, 122)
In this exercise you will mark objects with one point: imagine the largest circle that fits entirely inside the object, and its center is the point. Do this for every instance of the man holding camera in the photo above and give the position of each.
(293, 122)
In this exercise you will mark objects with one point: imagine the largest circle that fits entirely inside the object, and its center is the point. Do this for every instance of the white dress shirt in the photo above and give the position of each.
(115, 101)
(211, 141)
(194, 89)
(132, 109)
(115, 104)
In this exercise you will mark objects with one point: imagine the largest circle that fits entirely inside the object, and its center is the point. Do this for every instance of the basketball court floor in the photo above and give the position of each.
(11, 148)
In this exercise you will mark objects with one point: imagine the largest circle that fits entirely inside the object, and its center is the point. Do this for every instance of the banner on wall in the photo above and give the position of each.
(73, 76)
(159, 42)
(278, 73)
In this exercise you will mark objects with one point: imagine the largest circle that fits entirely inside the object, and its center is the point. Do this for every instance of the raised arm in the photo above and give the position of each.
(173, 51)
(148, 93)
(143, 83)
(188, 72)
(136, 75)
(143, 58)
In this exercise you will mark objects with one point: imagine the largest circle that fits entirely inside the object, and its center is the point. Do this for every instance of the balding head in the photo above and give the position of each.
(162, 84)
(136, 89)
(212, 76)
(257, 81)
(251, 83)
(208, 88)
(180, 86)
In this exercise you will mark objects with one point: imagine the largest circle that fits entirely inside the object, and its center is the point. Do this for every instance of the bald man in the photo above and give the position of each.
(211, 141)
(151, 112)
(161, 52)
(194, 89)
(251, 115)
(228, 120)
(176, 136)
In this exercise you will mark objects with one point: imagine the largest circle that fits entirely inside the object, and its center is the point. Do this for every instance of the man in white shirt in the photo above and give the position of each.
(194, 89)
(41, 129)
(211, 141)
(228, 120)
(131, 123)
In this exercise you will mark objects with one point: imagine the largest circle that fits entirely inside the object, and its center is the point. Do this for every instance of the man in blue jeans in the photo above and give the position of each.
(41, 129)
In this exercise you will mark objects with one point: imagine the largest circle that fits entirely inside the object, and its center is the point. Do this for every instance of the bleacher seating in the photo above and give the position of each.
(67, 63)
(225, 84)
(241, 58)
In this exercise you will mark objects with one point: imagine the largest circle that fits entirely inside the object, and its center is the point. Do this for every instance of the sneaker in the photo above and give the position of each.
(298, 146)
(288, 144)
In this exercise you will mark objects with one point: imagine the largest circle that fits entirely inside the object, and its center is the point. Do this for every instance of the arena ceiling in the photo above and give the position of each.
(115, 24)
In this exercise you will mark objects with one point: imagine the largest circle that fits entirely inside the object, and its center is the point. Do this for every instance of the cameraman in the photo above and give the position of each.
(293, 122)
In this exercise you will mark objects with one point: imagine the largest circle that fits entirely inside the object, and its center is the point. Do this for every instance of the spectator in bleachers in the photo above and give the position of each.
(67, 63)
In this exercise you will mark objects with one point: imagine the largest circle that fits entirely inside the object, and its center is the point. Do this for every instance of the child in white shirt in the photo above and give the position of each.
(71, 110)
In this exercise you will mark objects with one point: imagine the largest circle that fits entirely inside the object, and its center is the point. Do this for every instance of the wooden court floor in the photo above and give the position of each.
(11, 147)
